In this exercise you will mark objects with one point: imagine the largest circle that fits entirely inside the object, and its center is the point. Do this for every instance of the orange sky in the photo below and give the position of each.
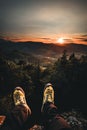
(44, 20)
(67, 38)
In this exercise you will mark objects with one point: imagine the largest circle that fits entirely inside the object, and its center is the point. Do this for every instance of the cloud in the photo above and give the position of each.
(81, 38)
(68, 40)
(84, 35)
(46, 38)
(85, 40)
(31, 17)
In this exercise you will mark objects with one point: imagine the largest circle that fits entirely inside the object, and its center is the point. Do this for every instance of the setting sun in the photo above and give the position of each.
(60, 40)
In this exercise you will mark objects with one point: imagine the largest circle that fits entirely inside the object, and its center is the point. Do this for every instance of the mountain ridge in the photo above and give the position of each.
(40, 48)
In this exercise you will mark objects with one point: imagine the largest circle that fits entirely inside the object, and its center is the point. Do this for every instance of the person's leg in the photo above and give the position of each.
(18, 116)
(52, 120)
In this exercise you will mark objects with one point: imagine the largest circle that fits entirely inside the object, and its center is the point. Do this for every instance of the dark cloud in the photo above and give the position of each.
(68, 40)
(81, 38)
(46, 38)
(85, 35)
(85, 40)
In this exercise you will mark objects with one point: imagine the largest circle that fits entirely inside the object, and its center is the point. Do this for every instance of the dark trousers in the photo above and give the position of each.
(51, 120)
(16, 119)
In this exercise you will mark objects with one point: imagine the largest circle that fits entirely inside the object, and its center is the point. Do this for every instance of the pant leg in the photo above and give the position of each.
(52, 120)
(16, 119)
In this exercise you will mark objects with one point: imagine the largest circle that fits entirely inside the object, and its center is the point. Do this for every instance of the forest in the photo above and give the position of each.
(68, 76)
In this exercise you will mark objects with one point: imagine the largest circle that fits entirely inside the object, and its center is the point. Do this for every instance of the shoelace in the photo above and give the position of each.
(49, 94)
(19, 98)
(49, 91)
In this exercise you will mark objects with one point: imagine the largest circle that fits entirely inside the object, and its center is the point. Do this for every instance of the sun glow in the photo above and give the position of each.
(60, 40)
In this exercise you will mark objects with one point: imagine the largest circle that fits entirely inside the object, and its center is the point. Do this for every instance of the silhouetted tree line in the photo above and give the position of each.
(68, 76)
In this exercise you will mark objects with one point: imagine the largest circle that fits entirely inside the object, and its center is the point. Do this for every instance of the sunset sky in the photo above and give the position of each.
(44, 20)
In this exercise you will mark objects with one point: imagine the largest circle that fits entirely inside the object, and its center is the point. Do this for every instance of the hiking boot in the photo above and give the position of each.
(48, 94)
(19, 98)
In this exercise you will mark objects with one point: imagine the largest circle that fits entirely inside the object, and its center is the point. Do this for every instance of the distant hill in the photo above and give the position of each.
(39, 49)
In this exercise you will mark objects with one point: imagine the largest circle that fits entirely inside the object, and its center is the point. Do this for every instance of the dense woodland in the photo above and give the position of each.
(68, 76)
